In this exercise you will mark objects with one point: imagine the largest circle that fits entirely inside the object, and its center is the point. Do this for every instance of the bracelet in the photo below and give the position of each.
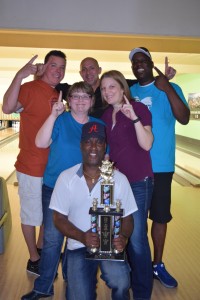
(136, 120)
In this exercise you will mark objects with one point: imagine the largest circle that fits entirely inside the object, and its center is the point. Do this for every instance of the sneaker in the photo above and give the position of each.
(161, 274)
(34, 296)
(33, 267)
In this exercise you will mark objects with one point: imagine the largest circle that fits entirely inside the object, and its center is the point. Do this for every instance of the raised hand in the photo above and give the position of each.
(28, 69)
(127, 109)
(170, 72)
(161, 81)
(40, 70)
(42, 67)
(58, 107)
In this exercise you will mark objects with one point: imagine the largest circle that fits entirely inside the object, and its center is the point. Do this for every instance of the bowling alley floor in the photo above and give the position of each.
(182, 248)
(181, 255)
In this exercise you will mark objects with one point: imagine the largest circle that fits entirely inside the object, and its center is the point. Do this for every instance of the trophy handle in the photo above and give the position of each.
(116, 230)
(94, 224)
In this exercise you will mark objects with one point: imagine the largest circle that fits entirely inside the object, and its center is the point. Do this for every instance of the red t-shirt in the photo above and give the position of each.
(36, 98)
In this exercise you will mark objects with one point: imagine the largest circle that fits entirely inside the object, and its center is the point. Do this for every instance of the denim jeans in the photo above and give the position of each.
(138, 249)
(53, 241)
(82, 277)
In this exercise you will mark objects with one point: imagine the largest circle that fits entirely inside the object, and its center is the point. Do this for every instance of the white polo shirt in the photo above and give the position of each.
(71, 197)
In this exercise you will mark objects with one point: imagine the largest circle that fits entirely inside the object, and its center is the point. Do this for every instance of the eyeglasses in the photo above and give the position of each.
(83, 97)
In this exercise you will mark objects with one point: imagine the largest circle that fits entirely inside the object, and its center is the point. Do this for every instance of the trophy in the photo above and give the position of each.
(106, 218)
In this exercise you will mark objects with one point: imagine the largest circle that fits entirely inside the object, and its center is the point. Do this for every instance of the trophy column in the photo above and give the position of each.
(106, 217)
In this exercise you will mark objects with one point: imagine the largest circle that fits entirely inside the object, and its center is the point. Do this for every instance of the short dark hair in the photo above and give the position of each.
(55, 53)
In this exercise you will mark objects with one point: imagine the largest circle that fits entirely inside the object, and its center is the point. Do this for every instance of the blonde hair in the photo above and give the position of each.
(119, 77)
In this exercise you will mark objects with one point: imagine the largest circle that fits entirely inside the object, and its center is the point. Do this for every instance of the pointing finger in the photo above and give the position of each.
(32, 59)
(158, 71)
(166, 63)
(126, 100)
(60, 97)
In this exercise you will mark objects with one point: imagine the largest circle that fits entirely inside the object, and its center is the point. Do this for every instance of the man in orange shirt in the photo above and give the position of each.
(34, 101)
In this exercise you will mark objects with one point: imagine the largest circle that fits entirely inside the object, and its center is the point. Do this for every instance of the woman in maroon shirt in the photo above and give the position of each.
(129, 135)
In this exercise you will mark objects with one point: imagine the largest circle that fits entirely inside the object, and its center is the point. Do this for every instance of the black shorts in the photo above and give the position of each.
(161, 198)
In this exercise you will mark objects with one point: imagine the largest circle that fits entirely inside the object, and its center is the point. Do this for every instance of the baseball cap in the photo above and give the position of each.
(93, 130)
(139, 50)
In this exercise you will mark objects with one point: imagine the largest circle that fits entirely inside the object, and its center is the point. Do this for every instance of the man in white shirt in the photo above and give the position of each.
(72, 197)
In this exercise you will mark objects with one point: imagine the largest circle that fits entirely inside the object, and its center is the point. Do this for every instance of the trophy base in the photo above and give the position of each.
(106, 256)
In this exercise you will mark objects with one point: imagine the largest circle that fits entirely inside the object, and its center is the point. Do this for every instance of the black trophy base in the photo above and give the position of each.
(106, 256)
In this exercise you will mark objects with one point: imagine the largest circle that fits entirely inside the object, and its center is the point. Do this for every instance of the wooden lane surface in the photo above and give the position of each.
(7, 132)
(8, 152)
(181, 255)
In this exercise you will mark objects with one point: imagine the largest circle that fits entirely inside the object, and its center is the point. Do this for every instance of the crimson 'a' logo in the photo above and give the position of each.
(93, 129)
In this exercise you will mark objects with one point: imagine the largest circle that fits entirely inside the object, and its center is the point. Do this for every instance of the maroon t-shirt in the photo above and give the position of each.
(125, 152)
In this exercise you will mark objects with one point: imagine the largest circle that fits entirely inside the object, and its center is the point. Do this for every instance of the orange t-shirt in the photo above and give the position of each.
(36, 98)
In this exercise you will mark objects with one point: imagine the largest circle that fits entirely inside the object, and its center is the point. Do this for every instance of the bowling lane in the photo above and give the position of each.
(188, 162)
(8, 132)
(8, 154)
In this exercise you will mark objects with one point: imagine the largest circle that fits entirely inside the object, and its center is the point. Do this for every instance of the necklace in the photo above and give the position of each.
(92, 177)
